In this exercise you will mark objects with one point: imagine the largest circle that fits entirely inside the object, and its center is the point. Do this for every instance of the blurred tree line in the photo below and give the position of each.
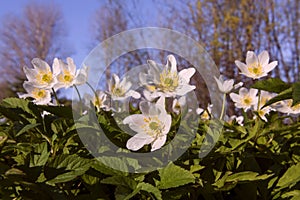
(226, 28)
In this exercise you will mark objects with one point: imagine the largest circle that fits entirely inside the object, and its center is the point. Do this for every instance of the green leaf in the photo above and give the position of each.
(120, 180)
(290, 177)
(40, 155)
(295, 194)
(174, 176)
(247, 176)
(150, 189)
(70, 167)
(27, 128)
(286, 94)
(296, 93)
(109, 165)
(271, 85)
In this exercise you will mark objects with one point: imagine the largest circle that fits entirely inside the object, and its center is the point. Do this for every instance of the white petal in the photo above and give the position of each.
(158, 143)
(56, 66)
(184, 89)
(71, 65)
(40, 64)
(167, 120)
(30, 73)
(134, 94)
(171, 63)
(243, 91)
(186, 74)
(235, 97)
(199, 111)
(253, 92)
(149, 109)
(251, 58)
(138, 141)
(241, 66)
(263, 58)
(236, 86)
(116, 79)
(270, 66)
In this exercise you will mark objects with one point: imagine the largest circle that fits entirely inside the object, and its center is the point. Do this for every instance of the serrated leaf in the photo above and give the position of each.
(91, 180)
(271, 85)
(296, 93)
(150, 189)
(247, 176)
(110, 165)
(120, 180)
(295, 194)
(290, 177)
(173, 176)
(27, 128)
(23, 104)
(40, 155)
(72, 165)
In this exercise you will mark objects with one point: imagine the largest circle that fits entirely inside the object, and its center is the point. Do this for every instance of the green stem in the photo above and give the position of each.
(80, 99)
(223, 106)
(94, 91)
(55, 96)
(258, 103)
(91, 88)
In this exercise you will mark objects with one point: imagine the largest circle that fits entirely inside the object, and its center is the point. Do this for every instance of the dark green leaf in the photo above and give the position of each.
(174, 176)
(290, 177)
(296, 93)
(271, 85)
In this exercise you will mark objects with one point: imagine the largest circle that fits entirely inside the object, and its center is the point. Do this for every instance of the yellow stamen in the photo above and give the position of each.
(256, 69)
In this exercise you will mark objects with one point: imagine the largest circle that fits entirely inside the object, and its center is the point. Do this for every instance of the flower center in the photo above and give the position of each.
(118, 91)
(247, 101)
(169, 81)
(256, 69)
(39, 94)
(154, 127)
(45, 77)
(205, 115)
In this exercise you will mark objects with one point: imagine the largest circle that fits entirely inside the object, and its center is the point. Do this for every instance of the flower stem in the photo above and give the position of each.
(80, 99)
(258, 103)
(94, 91)
(223, 106)
(55, 96)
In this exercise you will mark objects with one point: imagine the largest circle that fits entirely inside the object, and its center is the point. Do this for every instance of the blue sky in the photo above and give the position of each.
(77, 16)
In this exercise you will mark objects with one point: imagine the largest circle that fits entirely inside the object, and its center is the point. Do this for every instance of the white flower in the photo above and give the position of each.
(286, 107)
(152, 126)
(167, 81)
(226, 86)
(41, 96)
(239, 119)
(262, 112)
(256, 66)
(178, 104)
(99, 100)
(68, 75)
(205, 114)
(245, 99)
(120, 90)
(41, 75)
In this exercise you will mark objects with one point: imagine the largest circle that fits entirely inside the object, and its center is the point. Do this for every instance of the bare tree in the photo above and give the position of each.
(38, 32)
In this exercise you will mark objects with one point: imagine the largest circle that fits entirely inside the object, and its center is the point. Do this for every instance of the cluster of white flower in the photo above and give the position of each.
(160, 83)
(42, 81)
(253, 99)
